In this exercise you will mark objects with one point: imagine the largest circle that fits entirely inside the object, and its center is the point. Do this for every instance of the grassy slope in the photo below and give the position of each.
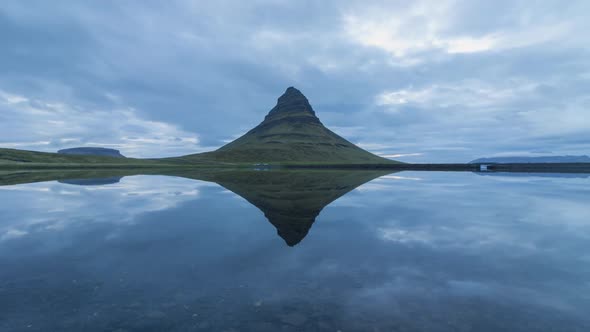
(22, 159)
(282, 143)
(11, 158)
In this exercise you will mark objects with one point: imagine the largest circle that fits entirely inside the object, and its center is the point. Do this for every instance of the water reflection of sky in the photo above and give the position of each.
(52, 205)
(410, 251)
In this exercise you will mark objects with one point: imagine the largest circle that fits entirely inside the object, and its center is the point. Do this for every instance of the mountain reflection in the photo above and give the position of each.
(290, 200)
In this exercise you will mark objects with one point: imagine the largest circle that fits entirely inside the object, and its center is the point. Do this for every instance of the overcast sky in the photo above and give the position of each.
(438, 81)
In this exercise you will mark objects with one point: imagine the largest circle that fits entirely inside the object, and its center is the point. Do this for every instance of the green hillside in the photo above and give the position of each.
(12, 158)
(291, 133)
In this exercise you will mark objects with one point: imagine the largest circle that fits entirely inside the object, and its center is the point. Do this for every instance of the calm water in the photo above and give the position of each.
(300, 251)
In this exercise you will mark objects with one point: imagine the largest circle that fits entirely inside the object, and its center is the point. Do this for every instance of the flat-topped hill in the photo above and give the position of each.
(92, 151)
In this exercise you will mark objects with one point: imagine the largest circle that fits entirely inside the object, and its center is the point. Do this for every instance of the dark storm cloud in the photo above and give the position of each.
(439, 81)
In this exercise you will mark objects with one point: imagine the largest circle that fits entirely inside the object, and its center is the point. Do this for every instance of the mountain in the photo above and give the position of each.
(291, 133)
(529, 160)
(92, 151)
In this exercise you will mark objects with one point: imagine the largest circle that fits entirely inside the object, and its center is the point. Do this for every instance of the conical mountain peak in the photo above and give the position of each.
(292, 91)
(291, 132)
(291, 103)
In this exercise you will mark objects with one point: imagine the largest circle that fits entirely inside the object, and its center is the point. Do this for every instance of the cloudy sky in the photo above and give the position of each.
(439, 81)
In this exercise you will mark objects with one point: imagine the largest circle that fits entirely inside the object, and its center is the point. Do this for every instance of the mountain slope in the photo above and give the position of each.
(291, 133)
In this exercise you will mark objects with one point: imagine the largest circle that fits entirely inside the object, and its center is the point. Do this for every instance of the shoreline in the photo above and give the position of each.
(483, 168)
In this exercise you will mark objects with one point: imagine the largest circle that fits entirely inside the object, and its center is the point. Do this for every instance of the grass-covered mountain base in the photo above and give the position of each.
(21, 159)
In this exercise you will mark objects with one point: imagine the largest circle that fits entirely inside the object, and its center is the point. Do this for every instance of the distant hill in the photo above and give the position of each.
(530, 160)
(291, 133)
(92, 151)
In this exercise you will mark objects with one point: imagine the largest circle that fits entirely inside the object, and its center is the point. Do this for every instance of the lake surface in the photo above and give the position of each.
(295, 251)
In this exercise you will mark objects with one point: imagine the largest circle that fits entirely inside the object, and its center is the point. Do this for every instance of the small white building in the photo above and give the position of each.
(484, 168)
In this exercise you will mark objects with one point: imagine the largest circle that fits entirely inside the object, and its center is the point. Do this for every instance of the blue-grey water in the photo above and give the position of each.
(409, 251)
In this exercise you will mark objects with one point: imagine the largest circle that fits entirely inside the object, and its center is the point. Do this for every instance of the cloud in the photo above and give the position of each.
(453, 116)
(470, 93)
(399, 155)
(51, 125)
(413, 30)
(422, 27)
(12, 234)
(442, 79)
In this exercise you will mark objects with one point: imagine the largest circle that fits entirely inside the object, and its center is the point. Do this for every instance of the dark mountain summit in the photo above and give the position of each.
(92, 151)
(291, 132)
(292, 104)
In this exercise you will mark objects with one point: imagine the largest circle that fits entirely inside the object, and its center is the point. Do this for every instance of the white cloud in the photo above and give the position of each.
(383, 183)
(36, 124)
(398, 155)
(12, 234)
(408, 33)
(571, 117)
(12, 99)
(397, 177)
(374, 146)
(469, 44)
(468, 93)
(403, 236)
(520, 105)
(389, 35)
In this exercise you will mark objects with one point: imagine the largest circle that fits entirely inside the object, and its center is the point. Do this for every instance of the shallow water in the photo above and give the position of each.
(296, 251)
